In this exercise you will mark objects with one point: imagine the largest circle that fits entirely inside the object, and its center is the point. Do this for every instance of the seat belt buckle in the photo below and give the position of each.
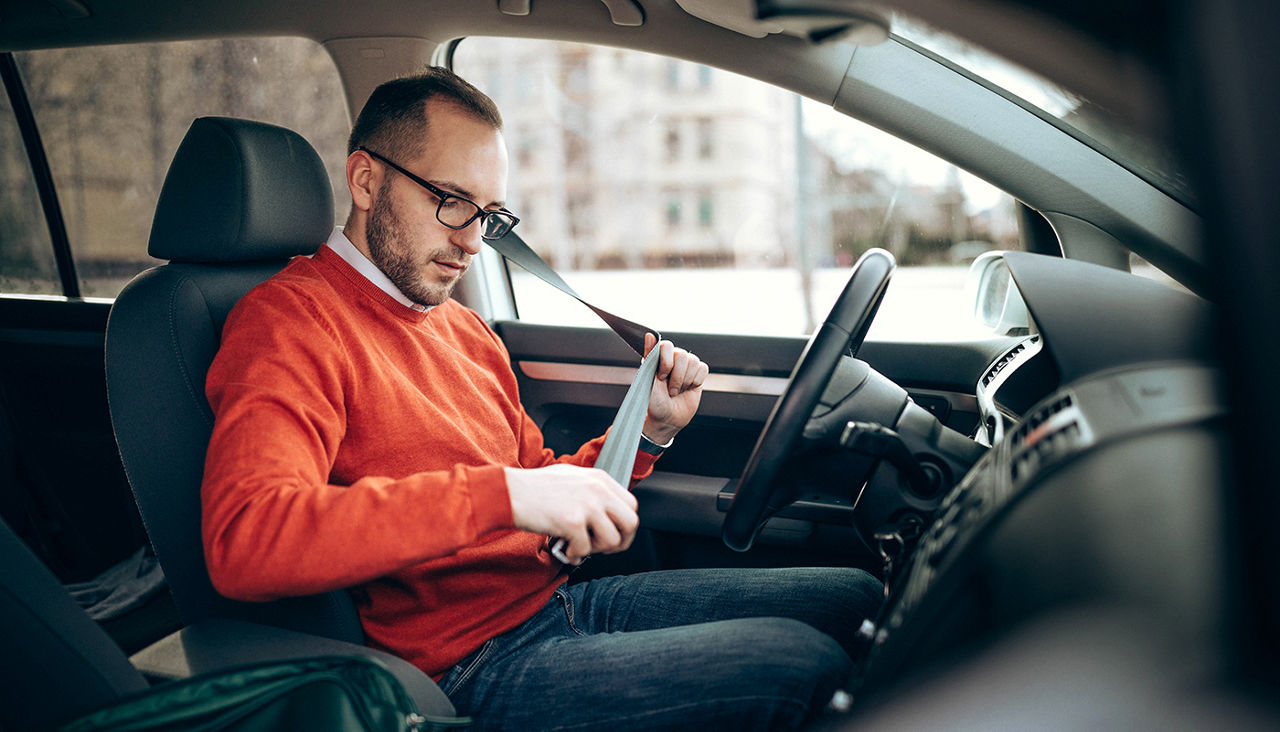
(558, 545)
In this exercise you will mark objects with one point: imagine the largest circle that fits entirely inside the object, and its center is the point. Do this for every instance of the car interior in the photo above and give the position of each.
(1071, 512)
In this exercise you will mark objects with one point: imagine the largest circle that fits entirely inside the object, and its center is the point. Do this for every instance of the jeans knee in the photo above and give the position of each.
(794, 668)
(848, 587)
(794, 655)
(800, 644)
(863, 589)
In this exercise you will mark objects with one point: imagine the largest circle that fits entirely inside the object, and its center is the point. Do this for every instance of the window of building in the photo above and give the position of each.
(673, 74)
(673, 142)
(772, 216)
(524, 152)
(674, 212)
(706, 209)
(704, 76)
(706, 139)
(111, 118)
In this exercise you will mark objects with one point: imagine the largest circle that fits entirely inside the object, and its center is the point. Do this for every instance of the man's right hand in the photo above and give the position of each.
(584, 506)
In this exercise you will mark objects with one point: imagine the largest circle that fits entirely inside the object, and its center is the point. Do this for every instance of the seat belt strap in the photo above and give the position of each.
(618, 455)
(513, 248)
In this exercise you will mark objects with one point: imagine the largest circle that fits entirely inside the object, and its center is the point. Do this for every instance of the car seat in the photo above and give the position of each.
(240, 199)
(58, 664)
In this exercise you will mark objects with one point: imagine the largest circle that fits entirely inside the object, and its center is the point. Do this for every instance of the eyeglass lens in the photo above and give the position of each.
(458, 212)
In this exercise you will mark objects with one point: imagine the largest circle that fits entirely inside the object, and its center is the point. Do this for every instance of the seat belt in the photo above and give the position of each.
(618, 454)
(515, 249)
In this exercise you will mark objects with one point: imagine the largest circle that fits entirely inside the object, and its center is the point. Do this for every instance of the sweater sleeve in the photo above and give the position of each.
(273, 525)
(539, 456)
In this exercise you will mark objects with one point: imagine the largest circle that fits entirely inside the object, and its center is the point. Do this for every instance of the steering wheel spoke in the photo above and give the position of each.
(841, 334)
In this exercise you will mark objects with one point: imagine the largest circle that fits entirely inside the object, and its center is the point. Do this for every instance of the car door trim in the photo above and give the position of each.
(622, 376)
(583, 373)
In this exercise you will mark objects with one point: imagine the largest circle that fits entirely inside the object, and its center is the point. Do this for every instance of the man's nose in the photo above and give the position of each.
(468, 237)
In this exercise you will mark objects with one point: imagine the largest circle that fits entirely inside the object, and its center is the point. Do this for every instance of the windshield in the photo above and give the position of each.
(1088, 121)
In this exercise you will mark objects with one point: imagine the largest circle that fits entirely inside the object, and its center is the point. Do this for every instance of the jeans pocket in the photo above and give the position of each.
(455, 677)
(568, 609)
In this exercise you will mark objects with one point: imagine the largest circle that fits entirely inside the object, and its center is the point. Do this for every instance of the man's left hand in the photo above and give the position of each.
(677, 390)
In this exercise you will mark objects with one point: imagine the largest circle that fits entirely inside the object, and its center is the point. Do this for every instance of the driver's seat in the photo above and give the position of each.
(240, 199)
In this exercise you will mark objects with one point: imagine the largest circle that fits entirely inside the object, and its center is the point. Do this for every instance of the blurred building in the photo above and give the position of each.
(625, 159)
(628, 159)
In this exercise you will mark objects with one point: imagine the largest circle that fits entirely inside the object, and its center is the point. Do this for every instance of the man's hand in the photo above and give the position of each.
(584, 506)
(677, 390)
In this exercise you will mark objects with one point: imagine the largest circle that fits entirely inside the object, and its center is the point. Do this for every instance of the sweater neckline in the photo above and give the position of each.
(326, 257)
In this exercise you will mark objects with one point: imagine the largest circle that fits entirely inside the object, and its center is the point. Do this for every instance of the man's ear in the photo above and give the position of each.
(361, 180)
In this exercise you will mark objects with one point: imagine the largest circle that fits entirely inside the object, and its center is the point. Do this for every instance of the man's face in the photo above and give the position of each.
(423, 257)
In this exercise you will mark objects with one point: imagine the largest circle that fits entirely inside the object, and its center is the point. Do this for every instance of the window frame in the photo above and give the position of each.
(42, 173)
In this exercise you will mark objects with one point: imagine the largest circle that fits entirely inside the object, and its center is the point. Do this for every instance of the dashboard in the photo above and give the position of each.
(1104, 422)
(1079, 319)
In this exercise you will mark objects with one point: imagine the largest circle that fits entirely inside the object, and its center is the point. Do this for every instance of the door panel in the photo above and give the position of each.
(572, 379)
(70, 500)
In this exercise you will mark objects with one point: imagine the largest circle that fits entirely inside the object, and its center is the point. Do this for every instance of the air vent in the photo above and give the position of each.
(1007, 359)
(1039, 417)
(1046, 437)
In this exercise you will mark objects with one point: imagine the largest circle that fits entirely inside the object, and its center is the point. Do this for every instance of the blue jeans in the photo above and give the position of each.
(700, 649)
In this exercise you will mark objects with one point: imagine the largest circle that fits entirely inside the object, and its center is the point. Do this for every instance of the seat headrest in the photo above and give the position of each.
(241, 191)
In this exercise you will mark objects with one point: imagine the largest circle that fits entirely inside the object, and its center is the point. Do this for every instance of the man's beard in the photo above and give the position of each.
(389, 250)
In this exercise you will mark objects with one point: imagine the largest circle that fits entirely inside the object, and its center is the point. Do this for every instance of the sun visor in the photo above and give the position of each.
(813, 20)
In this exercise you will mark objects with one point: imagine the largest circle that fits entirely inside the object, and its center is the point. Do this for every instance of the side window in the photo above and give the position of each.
(27, 265)
(636, 174)
(111, 118)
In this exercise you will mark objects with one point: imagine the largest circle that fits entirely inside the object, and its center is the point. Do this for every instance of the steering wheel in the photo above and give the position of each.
(842, 333)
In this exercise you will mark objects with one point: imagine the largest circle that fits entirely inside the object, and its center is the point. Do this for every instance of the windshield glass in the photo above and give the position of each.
(1087, 120)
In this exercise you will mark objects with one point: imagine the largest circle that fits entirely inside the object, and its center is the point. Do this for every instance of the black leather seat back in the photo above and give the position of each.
(58, 664)
(239, 200)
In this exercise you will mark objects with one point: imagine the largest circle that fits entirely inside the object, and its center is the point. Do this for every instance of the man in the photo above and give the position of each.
(369, 435)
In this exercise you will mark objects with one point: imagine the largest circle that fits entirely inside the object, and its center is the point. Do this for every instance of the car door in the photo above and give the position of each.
(705, 205)
(572, 380)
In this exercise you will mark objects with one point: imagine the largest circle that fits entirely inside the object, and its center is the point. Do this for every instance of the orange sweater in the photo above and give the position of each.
(359, 443)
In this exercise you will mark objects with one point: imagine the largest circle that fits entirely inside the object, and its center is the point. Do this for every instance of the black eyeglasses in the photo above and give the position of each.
(457, 212)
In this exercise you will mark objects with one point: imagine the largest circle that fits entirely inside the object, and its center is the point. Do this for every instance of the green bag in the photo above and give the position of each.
(321, 693)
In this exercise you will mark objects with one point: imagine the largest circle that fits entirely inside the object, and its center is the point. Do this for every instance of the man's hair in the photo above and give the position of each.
(394, 120)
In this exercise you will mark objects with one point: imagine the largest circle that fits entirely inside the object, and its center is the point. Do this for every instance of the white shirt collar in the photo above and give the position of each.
(343, 247)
